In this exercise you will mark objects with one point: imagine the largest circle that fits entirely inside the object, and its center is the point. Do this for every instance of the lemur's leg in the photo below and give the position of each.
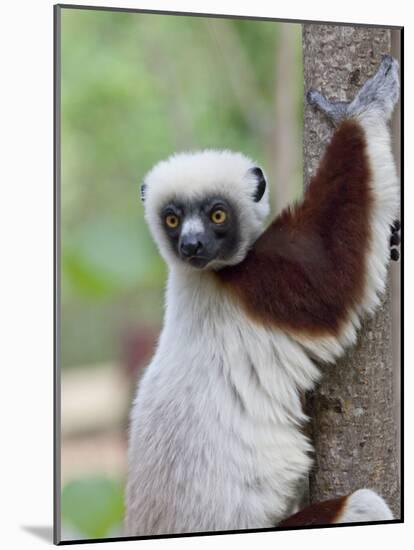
(362, 505)
(378, 97)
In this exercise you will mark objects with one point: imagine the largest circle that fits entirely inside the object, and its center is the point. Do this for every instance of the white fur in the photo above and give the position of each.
(215, 435)
(364, 505)
(215, 439)
(192, 225)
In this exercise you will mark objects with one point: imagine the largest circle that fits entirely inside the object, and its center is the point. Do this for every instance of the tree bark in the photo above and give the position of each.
(352, 420)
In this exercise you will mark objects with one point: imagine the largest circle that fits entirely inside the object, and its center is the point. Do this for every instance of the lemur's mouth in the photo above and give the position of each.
(198, 261)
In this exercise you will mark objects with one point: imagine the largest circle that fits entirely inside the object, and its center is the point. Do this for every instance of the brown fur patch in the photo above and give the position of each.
(321, 513)
(307, 270)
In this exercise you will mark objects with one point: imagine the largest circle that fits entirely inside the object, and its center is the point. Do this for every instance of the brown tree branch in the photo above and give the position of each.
(352, 422)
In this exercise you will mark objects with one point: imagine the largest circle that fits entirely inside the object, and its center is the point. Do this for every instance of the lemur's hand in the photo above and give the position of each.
(378, 95)
(395, 240)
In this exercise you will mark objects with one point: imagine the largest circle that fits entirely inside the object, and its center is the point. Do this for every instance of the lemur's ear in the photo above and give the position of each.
(142, 191)
(260, 183)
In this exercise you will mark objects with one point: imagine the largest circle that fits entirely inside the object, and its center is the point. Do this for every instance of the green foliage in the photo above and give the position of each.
(92, 506)
(107, 256)
(134, 89)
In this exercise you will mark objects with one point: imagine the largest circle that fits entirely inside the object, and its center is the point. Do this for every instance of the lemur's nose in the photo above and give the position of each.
(190, 245)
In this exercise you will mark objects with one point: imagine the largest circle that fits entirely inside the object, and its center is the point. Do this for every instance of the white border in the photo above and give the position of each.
(26, 267)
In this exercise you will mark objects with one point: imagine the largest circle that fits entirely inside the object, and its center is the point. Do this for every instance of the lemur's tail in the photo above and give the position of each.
(362, 505)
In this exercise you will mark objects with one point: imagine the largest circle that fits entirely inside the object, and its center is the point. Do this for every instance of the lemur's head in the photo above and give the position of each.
(205, 208)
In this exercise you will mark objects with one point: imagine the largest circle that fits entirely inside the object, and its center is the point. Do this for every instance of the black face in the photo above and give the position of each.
(201, 231)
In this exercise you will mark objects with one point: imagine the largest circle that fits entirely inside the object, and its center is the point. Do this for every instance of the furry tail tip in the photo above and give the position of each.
(364, 505)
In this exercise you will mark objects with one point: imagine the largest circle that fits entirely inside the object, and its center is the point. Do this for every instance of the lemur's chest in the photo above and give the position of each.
(253, 373)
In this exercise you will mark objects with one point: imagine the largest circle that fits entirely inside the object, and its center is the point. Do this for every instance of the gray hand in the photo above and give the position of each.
(378, 95)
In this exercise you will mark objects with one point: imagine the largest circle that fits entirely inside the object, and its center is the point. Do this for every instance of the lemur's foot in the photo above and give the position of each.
(378, 95)
(395, 240)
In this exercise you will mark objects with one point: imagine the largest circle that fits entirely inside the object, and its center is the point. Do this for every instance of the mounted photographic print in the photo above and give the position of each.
(228, 224)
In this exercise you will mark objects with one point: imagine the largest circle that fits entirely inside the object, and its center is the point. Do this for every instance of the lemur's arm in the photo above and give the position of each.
(322, 263)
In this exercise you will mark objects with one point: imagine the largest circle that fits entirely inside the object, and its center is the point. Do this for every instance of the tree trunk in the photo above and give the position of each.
(284, 148)
(353, 426)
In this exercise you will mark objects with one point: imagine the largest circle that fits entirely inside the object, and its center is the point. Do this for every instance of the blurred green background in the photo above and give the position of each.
(134, 89)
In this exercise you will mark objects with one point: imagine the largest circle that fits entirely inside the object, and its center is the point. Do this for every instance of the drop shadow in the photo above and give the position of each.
(43, 532)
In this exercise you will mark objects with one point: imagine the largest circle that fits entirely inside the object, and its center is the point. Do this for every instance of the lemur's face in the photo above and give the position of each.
(205, 209)
(201, 230)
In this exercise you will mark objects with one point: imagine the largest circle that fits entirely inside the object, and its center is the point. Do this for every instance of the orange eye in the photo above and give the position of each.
(172, 221)
(218, 216)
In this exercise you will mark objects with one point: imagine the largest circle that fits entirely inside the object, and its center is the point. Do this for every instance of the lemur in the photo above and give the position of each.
(216, 440)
